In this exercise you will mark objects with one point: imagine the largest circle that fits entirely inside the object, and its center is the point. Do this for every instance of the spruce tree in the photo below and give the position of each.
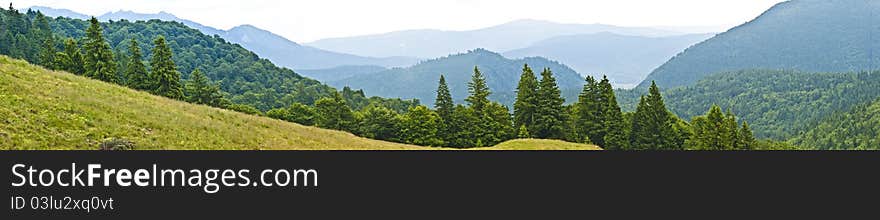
(587, 112)
(98, 58)
(550, 114)
(445, 109)
(200, 90)
(479, 92)
(731, 128)
(614, 136)
(444, 104)
(47, 54)
(526, 101)
(164, 75)
(652, 124)
(136, 72)
(74, 62)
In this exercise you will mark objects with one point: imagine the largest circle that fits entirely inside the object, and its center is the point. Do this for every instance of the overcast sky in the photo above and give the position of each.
(309, 20)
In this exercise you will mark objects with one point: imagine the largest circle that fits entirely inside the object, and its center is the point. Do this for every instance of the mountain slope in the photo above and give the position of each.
(858, 128)
(271, 46)
(777, 104)
(340, 72)
(625, 59)
(420, 81)
(54, 12)
(806, 35)
(45, 109)
(436, 43)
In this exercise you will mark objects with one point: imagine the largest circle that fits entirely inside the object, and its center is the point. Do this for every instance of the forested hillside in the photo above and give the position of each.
(805, 35)
(418, 81)
(242, 75)
(778, 104)
(858, 128)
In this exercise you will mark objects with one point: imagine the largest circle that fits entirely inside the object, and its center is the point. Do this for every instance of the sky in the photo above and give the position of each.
(310, 20)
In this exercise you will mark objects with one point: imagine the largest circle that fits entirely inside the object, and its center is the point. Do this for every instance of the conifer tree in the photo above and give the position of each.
(523, 132)
(164, 75)
(479, 92)
(526, 101)
(587, 112)
(652, 124)
(136, 72)
(200, 90)
(98, 58)
(550, 114)
(420, 126)
(47, 54)
(614, 136)
(74, 60)
(444, 104)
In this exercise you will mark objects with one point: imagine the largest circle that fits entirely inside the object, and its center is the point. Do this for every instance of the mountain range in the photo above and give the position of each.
(805, 35)
(625, 59)
(420, 81)
(429, 43)
(276, 48)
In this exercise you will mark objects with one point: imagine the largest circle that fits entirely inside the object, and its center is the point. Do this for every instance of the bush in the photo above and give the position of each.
(117, 144)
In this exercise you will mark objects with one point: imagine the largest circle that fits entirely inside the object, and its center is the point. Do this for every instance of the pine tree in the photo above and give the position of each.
(587, 112)
(614, 136)
(747, 140)
(444, 104)
(479, 92)
(652, 124)
(164, 75)
(550, 114)
(526, 101)
(136, 72)
(98, 60)
(47, 54)
(74, 62)
(523, 132)
(200, 90)
(730, 132)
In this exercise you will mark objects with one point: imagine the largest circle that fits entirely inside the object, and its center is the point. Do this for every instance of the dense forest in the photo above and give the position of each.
(246, 80)
(858, 128)
(779, 104)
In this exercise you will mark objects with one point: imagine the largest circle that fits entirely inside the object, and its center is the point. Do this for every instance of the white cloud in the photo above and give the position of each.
(308, 20)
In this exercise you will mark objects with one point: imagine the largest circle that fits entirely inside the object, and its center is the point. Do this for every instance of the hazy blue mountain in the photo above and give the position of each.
(340, 72)
(436, 43)
(54, 12)
(625, 59)
(268, 45)
(420, 81)
(806, 35)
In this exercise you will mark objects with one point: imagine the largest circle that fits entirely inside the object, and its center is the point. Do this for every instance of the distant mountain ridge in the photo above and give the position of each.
(268, 45)
(428, 43)
(625, 59)
(420, 81)
(805, 35)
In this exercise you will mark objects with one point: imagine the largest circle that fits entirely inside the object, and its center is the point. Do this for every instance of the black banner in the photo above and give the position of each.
(417, 184)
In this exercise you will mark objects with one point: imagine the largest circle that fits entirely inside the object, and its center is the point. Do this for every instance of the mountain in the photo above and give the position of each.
(777, 104)
(53, 12)
(420, 81)
(435, 43)
(806, 35)
(271, 46)
(58, 110)
(292, 55)
(340, 72)
(625, 59)
(854, 129)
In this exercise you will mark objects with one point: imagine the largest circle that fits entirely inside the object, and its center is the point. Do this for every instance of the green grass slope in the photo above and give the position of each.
(44, 109)
(539, 144)
(51, 110)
